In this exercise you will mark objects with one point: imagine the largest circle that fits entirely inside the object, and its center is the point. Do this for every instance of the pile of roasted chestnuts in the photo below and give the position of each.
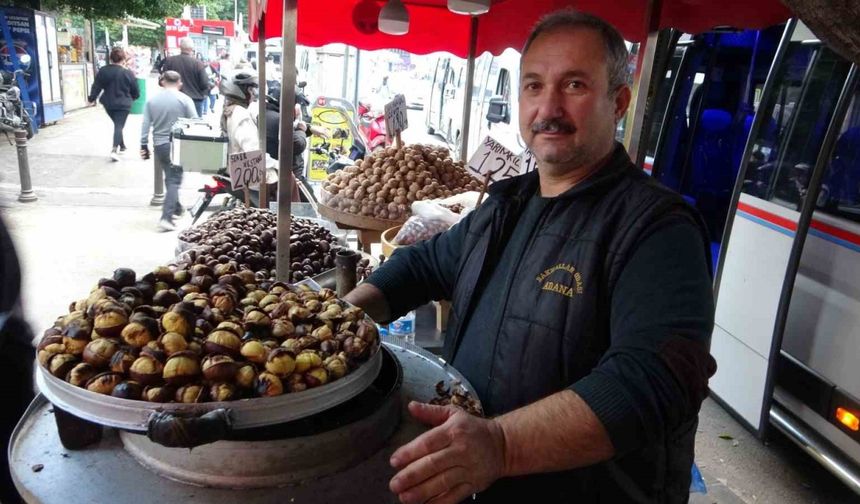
(205, 333)
(385, 183)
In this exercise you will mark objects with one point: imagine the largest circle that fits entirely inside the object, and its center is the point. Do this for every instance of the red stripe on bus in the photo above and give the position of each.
(770, 217)
(837, 232)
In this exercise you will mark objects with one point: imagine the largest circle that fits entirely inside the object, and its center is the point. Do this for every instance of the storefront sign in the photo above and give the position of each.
(494, 160)
(335, 119)
(395, 116)
(213, 30)
(18, 49)
(246, 169)
(175, 29)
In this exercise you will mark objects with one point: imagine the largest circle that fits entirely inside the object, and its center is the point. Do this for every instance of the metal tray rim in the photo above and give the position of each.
(246, 413)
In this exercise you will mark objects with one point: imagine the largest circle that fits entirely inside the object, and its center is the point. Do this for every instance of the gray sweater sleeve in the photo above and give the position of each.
(654, 376)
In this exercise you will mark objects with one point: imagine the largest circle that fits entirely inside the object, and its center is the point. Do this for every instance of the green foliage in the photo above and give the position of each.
(118, 9)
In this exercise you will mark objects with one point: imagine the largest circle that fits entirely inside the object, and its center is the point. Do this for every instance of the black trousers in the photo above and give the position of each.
(118, 117)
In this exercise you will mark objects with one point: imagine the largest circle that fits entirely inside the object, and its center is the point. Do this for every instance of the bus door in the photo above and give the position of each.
(437, 95)
(710, 112)
(798, 104)
(817, 378)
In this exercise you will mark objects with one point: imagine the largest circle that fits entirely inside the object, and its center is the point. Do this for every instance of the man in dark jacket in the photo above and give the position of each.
(195, 82)
(581, 306)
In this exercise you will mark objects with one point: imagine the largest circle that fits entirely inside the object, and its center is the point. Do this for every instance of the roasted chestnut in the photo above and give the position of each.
(298, 313)
(161, 394)
(246, 376)
(316, 377)
(355, 347)
(322, 333)
(367, 332)
(307, 360)
(255, 351)
(222, 392)
(181, 322)
(146, 370)
(219, 368)
(336, 367)
(155, 350)
(165, 297)
(296, 383)
(293, 345)
(282, 329)
(128, 390)
(59, 365)
(268, 385)
(81, 374)
(140, 331)
(281, 362)
(76, 335)
(122, 360)
(257, 319)
(222, 341)
(181, 367)
(109, 323)
(173, 342)
(193, 393)
(100, 351)
(104, 383)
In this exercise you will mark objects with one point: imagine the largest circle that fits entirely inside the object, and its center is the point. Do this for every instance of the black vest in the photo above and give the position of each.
(555, 326)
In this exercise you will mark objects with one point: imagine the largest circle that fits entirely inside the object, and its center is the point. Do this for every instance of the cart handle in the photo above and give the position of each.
(172, 431)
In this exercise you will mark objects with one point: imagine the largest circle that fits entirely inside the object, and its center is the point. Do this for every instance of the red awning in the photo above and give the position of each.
(434, 28)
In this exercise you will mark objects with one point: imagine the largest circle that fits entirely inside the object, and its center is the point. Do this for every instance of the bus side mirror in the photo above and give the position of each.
(499, 110)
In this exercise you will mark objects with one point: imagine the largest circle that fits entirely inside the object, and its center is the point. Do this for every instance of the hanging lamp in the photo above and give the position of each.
(394, 18)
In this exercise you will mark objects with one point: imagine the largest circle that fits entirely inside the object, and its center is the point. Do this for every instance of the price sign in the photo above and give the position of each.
(395, 116)
(528, 162)
(495, 160)
(246, 169)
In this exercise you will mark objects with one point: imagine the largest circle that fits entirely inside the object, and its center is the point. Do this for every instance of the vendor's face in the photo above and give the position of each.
(567, 114)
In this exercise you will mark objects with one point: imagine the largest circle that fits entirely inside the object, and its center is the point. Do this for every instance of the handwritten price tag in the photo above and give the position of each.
(246, 169)
(529, 162)
(395, 116)
(495, 160)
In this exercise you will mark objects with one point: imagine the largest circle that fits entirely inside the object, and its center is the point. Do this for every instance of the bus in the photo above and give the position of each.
(760, 131)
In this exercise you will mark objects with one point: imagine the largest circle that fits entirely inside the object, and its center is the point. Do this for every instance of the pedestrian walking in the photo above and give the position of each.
(116, 88)
(159, 115)
(195, 82)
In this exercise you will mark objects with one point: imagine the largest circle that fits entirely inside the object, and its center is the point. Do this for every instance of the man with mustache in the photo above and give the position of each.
(581, 306)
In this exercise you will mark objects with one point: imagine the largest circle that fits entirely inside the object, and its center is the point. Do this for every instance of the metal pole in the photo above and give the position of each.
(27, 195)
(288, 101)
(645, 71)
(470, 83)
(261, 101)
(357, 75)
(157, 186)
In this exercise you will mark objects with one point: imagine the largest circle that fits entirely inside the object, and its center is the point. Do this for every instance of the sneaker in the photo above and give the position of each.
(166, 225)
(122, 148)
(113, 155)
(179, 212)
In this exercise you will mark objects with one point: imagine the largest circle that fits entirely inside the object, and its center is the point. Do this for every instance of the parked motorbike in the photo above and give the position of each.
(13, 113)
(371, 125)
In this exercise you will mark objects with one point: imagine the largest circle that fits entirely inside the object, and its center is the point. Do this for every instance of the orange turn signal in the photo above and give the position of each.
(848, 419)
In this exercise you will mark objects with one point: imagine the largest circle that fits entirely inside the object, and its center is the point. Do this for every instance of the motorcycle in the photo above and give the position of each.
(372, 127)
(13, 114)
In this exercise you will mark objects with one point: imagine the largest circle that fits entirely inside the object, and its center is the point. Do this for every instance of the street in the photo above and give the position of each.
(93, 216)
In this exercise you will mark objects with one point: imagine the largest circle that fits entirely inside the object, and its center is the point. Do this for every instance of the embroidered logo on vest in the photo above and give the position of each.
(561, 287)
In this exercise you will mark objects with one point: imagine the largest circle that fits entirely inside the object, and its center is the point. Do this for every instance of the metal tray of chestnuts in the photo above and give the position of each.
(136, 415)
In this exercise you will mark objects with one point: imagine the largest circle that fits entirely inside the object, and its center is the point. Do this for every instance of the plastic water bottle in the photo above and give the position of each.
(403, 329)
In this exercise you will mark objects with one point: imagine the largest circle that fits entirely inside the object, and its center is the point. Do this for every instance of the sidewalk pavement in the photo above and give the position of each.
(93, 215)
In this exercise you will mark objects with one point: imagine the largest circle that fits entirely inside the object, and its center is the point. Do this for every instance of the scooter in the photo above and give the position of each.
(372, 127)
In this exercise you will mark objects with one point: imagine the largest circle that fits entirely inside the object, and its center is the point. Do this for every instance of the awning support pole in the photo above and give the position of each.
(285, 154)
(470, 83)
(645, 70)
(261, 101)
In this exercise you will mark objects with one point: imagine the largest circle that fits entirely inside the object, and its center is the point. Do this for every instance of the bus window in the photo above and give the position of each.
(709, 117)
(661, 101)
(840, 189)
(800, 108)
(503, 87)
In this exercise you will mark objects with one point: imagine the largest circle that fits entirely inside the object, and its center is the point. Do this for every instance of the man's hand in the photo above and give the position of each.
(144, 152)
(460, 456)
